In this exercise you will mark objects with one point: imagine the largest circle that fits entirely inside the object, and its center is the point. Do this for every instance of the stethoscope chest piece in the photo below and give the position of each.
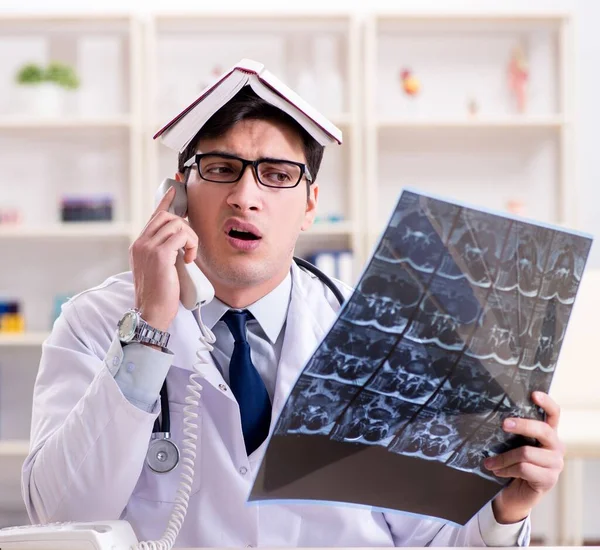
(163, 453)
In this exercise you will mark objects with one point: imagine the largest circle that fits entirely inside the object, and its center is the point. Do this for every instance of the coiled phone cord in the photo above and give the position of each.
(188, 448)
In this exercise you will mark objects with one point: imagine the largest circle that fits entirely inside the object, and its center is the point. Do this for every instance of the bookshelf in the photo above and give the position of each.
(86, 143)
(24, 339)
(463, 120)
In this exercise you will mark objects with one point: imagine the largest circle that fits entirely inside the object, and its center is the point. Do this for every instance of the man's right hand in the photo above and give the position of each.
(152, 258)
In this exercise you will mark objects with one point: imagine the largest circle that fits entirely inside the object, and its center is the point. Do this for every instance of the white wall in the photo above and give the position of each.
(587, 105)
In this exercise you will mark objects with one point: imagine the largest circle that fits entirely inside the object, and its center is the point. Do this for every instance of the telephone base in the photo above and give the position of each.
(98, 535)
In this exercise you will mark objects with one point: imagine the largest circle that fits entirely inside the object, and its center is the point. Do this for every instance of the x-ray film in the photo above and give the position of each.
(458, 317)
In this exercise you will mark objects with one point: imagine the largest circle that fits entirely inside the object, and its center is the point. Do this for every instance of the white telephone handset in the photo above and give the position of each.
(195, 291)
(195, 287)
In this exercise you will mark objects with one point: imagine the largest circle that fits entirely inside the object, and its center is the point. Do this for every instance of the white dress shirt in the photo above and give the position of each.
(265, 332)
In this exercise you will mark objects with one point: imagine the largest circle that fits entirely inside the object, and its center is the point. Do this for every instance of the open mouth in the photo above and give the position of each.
(243, 235)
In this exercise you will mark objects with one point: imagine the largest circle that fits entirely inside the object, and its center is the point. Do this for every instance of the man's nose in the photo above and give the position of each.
(246, 192)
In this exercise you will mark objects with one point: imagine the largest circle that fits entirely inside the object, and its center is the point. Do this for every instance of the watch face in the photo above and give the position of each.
(127, 326)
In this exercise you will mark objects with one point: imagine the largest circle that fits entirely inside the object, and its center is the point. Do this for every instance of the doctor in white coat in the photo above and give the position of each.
(96, 399)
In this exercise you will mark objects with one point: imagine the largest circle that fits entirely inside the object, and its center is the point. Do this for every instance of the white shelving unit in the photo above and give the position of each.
(280, 42)
(434, 142)
(89, 144)
(24, 339)
(67, 231)
(489, 123)
(28, 122)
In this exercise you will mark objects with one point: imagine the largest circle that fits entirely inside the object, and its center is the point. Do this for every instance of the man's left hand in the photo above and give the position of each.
(535, 469)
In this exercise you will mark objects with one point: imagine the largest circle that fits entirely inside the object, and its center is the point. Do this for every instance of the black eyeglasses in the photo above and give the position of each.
(224, 168)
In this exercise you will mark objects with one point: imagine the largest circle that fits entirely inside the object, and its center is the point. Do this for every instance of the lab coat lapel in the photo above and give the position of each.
(309, 318)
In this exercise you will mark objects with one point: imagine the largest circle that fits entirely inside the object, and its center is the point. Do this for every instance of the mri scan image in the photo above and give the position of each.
(501, 330)
(386, 298)
(431, 435)
(314, 406)
(447, 315)
(413, 372)
(521, 268)
(513, 384)
(350, 354)
(545, 335)
(474, 387)
(564, 268)
(485, 438)
(475, 247)
(372, 419)
(414, 237)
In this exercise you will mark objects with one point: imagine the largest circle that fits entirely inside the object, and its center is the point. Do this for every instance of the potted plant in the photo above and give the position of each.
(62, 75)
(43, 90)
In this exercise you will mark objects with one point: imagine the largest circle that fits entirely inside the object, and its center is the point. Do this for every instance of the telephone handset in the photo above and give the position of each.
(195, 289)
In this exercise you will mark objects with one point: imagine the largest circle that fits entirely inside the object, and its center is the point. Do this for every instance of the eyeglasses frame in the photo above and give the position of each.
(304, 172)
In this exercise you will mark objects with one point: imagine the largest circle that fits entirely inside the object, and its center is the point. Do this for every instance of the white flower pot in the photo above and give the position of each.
(45, 99)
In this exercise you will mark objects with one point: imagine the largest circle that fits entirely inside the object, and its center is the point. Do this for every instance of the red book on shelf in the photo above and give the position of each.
(178, 133)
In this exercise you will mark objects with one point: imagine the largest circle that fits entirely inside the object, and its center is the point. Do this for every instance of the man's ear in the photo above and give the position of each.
(179, 176)
(311, 207)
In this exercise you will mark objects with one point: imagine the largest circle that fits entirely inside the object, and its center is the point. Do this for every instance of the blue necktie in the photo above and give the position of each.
(247, 385)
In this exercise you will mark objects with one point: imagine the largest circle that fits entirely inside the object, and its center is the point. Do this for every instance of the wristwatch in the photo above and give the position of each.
(132, 328)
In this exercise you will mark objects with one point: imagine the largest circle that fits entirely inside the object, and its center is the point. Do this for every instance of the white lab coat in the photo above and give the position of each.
(88, 442)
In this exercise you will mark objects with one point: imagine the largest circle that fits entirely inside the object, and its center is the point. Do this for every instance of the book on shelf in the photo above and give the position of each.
(179, 132)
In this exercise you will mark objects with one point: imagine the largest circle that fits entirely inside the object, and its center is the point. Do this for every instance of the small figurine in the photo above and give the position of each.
(473, 107)
(410, 83)
(518, 75)
(516, 207)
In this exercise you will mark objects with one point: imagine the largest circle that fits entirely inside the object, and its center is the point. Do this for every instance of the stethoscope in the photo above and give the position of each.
(163, 453)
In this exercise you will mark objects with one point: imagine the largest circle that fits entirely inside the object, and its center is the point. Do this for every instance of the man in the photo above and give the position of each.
(96, 400)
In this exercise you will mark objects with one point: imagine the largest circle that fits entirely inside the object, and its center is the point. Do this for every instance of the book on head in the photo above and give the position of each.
(179, 132)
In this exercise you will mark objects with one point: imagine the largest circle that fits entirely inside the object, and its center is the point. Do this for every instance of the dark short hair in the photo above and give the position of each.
(246, 105)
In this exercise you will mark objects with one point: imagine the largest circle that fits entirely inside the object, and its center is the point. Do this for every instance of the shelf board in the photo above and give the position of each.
(8, 122)
(14, 448)
(23, 339)
(330, 228)
(341, 119)
(268, 15)
(475, 123)
(71, 17)
(69, 230)
(474, 17)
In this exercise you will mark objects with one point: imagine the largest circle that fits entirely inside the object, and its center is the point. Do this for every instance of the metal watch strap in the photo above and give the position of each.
(149, 335)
